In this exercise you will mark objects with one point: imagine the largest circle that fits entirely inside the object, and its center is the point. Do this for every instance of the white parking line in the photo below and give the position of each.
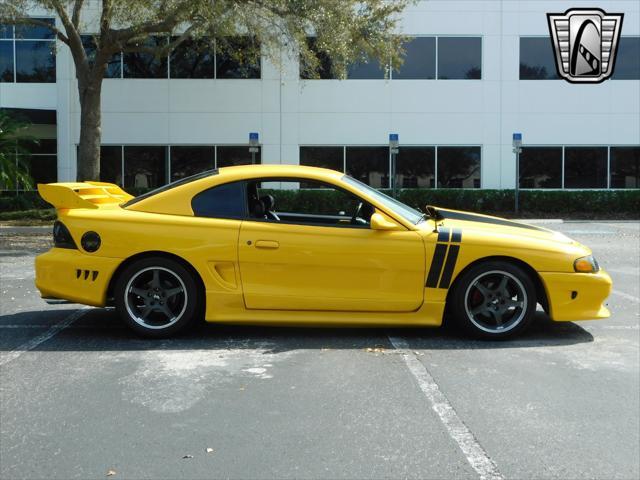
(6, 357)
(626, 295)
(472, 450)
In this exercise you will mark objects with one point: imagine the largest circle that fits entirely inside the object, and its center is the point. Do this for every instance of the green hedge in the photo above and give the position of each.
(533, 203)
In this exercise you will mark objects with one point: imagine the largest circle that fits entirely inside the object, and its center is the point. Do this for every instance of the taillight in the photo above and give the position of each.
(61, 236)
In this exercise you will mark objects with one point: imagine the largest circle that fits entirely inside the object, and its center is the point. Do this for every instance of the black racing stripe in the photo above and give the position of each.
(436, 265)
(456, 235)
(449, 266)
(443, 235)
(477, 218)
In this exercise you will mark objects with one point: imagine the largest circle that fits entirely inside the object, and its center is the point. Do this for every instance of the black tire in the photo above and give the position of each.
(157, 297)
(493, 300)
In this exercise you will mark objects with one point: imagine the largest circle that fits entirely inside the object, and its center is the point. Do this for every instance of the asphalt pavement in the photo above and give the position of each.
(82, 397)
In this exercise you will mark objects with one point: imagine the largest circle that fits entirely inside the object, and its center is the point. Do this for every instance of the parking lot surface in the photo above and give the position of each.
(81, 397)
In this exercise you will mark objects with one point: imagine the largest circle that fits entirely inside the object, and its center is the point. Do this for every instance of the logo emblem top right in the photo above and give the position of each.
(585, 43)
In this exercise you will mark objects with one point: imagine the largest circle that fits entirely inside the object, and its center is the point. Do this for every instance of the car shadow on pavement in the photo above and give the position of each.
(101, 330)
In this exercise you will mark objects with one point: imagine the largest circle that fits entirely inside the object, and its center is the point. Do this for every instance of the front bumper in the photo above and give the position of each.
(72, 275)
(577, 296)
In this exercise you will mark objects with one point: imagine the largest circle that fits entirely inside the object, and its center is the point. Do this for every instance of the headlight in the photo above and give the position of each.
(586, 265)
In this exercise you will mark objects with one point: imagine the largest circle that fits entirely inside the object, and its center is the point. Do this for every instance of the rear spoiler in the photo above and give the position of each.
(82, 194)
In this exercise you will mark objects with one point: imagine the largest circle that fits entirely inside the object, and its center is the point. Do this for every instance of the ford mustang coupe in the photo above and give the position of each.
(216, 245)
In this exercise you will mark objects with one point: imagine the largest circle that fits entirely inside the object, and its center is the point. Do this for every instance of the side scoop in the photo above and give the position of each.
(82, 194)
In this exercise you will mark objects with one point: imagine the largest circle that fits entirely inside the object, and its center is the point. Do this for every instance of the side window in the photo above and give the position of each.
(316, 203)
(223, 201)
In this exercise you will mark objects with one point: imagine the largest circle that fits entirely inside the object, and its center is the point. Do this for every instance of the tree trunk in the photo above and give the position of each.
(88, 162)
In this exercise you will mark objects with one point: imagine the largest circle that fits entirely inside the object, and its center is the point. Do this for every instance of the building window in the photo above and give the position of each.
(114, 67)
(541, 167)
(459, 167)
(238, 57)
(228, 156)
(627, 65)
(415, 167)
(537, 61)
(187, 161)
(323, 157)
(370, 165)
(325, 67)
(6, 61)
(419, 60)
(368, 69)
(111, 164)
(27, 54)
(625, 167)
(144, 64)
(193, 59)
(145, 166)
(42, 161)
(459, 58)
(585, 167)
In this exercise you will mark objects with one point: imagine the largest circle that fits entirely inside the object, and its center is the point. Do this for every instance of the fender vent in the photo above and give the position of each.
(86, 274)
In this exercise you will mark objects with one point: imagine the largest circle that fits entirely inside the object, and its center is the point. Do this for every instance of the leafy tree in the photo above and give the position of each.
(13, 146)
(346, 30)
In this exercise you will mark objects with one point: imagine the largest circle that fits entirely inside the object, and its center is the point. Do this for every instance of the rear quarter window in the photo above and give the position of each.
(222, 201)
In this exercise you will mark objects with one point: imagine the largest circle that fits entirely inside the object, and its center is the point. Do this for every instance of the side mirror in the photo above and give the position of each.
(381, 222)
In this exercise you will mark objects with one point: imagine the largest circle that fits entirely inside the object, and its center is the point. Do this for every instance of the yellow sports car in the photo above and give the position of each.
(216, 245)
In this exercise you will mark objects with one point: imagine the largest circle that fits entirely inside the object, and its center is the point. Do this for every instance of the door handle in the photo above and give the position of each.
(269, 244)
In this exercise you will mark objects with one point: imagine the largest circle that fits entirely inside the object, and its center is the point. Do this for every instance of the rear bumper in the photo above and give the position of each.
(71, 275)
(577, 296)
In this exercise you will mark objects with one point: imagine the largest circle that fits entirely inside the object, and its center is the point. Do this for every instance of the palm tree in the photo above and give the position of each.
(13, 147)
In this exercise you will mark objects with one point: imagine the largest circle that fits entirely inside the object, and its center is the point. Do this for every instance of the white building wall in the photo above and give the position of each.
(288, 112)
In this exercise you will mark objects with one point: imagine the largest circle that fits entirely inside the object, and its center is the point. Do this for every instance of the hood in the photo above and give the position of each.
(495, 226)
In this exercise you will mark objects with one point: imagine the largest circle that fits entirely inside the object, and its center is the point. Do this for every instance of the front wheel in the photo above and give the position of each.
(156, 297)
(493, 300)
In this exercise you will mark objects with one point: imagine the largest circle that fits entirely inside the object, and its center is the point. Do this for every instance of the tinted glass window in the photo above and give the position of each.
(6, 31)
(459, 167)
(229, 156)
(541, 167)
(193, 59)
(537, 61)
(114, 67)
(34, 32)
(419, 60)
(35, 62)
(223, 201)
(187, 161)
(627, 65)
(323, 157)
(111, 164)
(146, 65)
(42, 168)
(325, 65)
(416, 167)
(238, 57)
(459, 58)
(585, 167)
(145, 167)
(625, 167)
(370, 165)
(366, 70)
(6, 61)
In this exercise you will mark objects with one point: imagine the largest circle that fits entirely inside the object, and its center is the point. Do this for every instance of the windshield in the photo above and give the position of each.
(410, 214)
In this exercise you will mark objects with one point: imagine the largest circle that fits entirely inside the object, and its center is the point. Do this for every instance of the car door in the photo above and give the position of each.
(295, 265)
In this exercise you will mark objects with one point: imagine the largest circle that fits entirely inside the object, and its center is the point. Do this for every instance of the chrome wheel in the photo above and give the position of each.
(156, 298)
(496, 301)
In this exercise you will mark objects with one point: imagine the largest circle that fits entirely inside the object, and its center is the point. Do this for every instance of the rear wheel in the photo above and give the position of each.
(156, 297)
(493, 300)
